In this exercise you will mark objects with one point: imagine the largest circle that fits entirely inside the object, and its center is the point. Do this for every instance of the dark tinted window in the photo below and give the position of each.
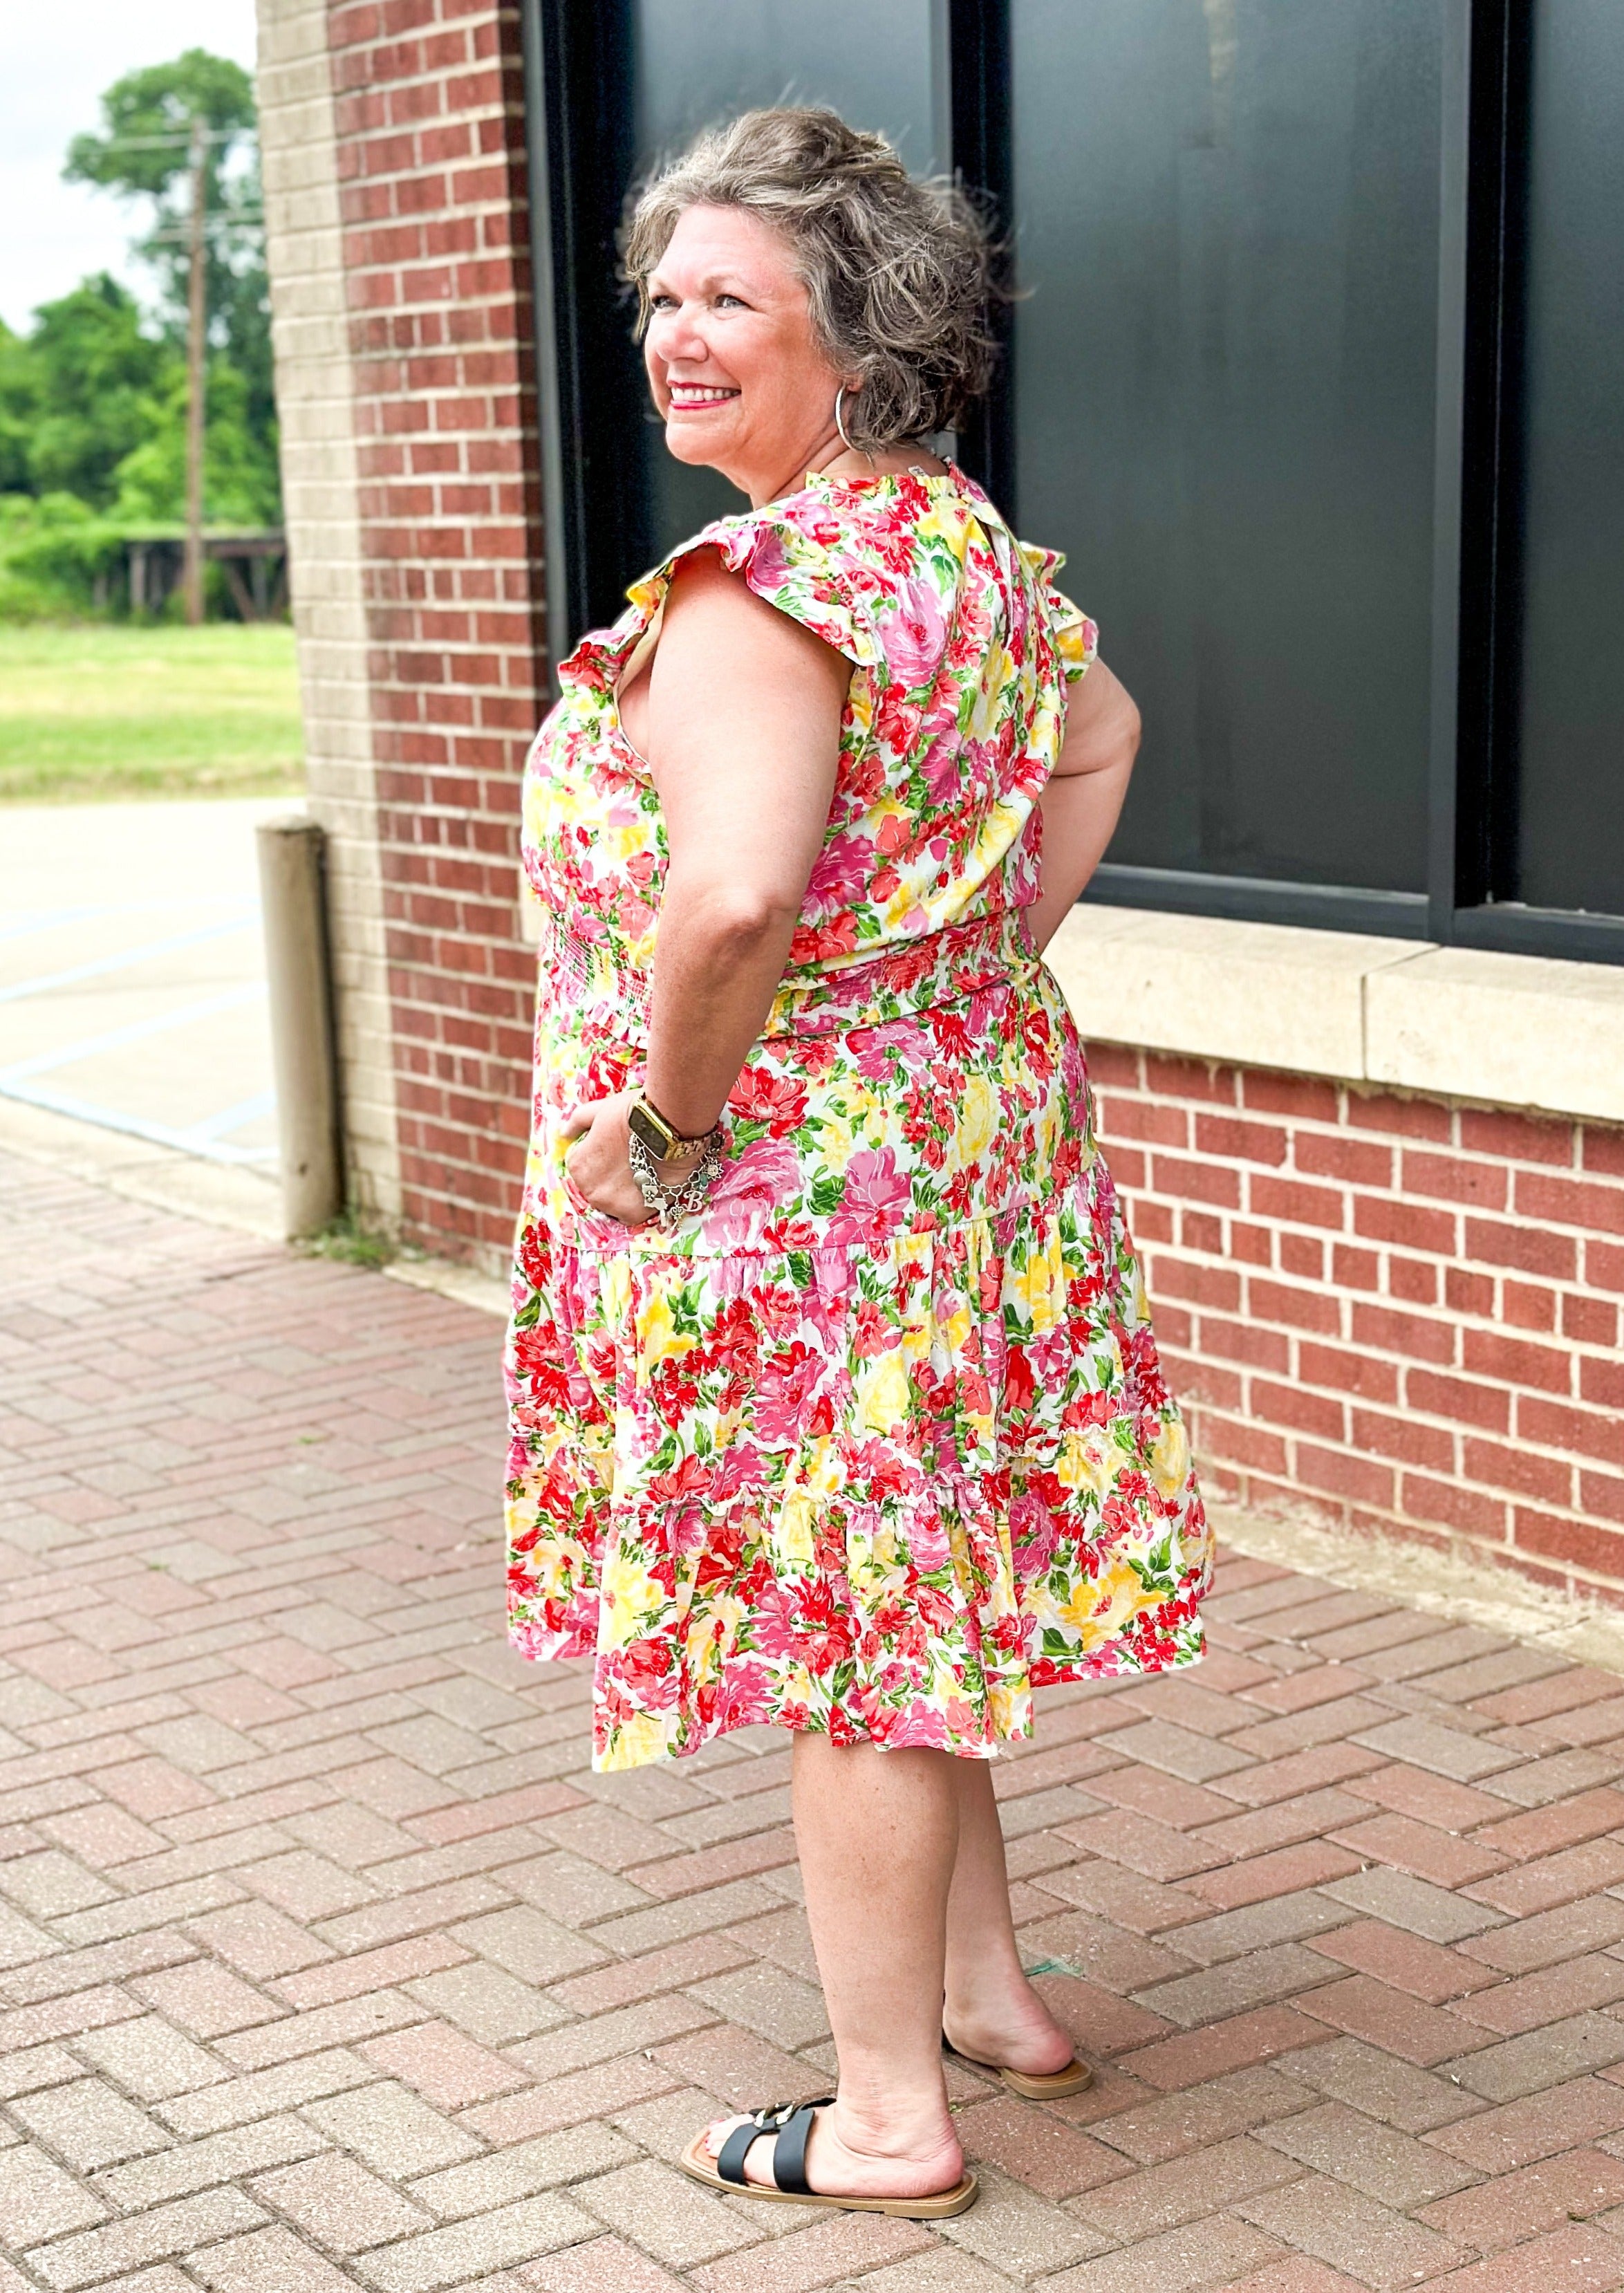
(1572, 824)
(1224, 402)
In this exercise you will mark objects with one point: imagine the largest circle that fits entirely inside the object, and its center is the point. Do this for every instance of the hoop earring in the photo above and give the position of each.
(839, 424)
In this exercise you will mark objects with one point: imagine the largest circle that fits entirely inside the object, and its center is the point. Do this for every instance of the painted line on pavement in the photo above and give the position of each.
(27, 921)
(157, 1134)
(136, 1032)
(232, 1118)
(103, 964)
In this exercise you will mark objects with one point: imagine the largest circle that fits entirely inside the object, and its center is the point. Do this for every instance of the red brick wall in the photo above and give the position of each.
(430, 119)
(1403, 1314)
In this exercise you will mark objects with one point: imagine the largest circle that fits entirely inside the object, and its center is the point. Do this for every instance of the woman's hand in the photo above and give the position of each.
(600, 1163)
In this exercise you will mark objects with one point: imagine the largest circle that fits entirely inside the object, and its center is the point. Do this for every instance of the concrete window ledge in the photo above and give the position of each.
(1513, 1031)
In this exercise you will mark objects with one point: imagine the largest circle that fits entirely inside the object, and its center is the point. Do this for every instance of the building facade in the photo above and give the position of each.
(1316, 371)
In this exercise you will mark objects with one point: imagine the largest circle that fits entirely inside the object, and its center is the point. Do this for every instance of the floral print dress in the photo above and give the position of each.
(877, 1442)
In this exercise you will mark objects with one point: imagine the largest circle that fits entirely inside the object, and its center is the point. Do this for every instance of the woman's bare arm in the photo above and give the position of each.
(1083, 797)
(743, 734)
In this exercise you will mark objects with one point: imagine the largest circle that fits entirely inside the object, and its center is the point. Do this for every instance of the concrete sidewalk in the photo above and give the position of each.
(325, 1961)
(132, 978)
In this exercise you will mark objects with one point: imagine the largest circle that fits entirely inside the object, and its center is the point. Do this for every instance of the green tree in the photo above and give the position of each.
(88, 388)
(240, 469)
(19, 411)
(144, 152)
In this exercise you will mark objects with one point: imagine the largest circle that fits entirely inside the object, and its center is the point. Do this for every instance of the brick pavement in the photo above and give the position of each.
(325, 1962)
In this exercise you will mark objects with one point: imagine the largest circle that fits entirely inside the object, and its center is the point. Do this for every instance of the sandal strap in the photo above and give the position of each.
(789, 2150)
(790, 2122)
(736, 2148)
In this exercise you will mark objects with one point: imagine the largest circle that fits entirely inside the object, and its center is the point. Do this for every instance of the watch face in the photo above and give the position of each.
(653, 1133)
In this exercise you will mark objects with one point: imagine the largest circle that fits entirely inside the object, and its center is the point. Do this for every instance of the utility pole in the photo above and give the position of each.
(197, 349)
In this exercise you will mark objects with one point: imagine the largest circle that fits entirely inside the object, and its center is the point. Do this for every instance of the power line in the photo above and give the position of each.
(214, 223)
(181, 140)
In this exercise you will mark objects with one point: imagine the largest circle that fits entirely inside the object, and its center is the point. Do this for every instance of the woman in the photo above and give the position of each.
(835, 1404)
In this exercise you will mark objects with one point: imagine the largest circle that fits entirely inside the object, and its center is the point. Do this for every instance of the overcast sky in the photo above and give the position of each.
(56, 57)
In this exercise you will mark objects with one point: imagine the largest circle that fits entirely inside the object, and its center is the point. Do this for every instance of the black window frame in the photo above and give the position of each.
(575, 62)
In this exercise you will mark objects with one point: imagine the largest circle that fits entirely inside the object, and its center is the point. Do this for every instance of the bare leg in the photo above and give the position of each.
(877, 1832)
(992, 2012)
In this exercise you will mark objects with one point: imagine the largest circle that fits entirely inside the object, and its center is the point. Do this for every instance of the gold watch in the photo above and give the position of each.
(661, 1138)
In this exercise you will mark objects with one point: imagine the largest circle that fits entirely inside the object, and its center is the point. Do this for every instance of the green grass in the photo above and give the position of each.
(102, 710)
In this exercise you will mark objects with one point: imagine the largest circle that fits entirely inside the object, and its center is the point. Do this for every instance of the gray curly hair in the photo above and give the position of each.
(897, 268)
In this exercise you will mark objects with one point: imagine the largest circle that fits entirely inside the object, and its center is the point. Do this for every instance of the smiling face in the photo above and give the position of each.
(732, 362)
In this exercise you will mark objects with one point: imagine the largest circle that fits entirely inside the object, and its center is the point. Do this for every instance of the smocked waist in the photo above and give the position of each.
(904, 977)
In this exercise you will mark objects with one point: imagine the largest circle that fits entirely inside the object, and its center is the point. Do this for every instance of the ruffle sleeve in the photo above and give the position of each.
(1077, 638)
(796, 556)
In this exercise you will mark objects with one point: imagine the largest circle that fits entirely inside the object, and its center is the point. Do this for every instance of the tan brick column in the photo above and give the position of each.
(316, 402)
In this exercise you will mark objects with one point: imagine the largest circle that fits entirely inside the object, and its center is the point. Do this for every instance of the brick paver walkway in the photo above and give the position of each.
(325, 1961)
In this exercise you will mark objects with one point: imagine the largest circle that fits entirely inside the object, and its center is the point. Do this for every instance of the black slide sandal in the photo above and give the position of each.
(791, 2123)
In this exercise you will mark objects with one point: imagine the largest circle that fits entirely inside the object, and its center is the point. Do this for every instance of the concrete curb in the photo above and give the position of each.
(233, 1196)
